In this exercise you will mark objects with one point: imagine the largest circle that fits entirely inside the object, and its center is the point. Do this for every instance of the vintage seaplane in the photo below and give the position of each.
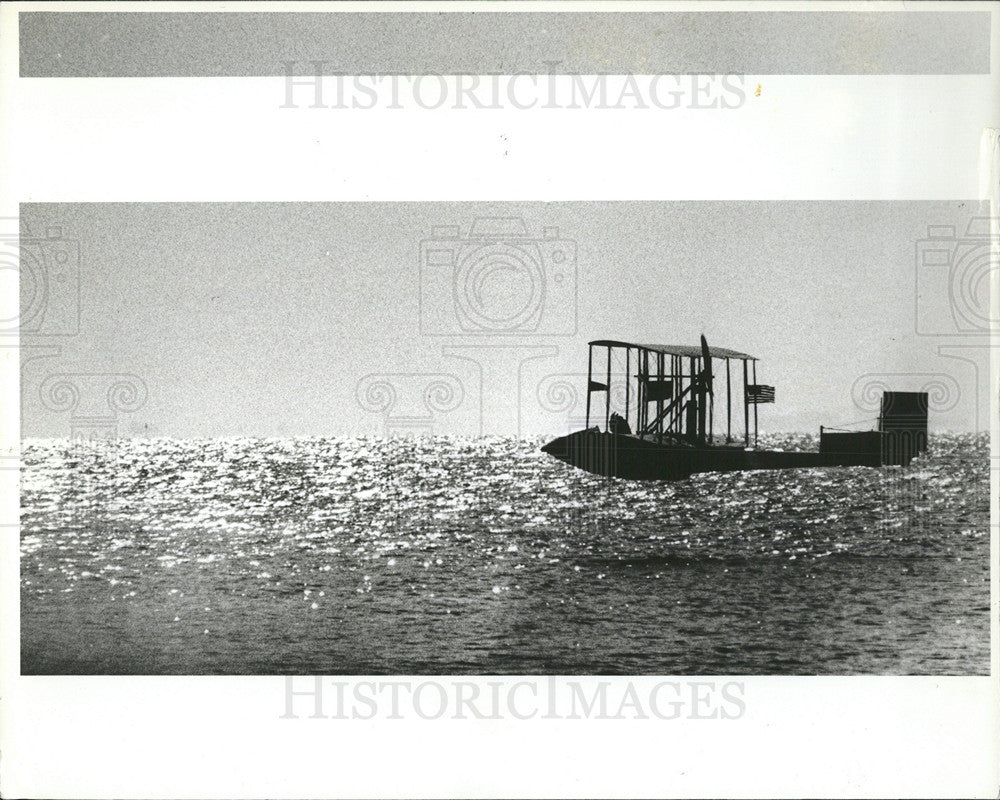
(674, 436)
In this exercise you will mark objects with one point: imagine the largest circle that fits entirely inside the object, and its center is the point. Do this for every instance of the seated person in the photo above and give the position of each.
(618, 425)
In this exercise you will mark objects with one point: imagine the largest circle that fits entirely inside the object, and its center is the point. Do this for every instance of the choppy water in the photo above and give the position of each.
(355, 556)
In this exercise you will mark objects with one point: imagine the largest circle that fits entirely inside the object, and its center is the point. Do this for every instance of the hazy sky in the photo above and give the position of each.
(265, 319)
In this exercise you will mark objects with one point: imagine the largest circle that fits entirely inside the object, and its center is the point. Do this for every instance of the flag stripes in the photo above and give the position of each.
(758, 393)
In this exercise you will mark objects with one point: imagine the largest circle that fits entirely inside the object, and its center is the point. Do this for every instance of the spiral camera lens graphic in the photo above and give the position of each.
(500, 287)
(8, 285)
(22, 307)
(970, 287)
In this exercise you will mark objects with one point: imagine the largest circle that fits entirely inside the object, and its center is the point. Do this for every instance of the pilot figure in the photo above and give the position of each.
(617, 425)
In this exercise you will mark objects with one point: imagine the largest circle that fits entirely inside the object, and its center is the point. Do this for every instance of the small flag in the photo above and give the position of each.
(598, 387)
(658, 390)
(758, 393)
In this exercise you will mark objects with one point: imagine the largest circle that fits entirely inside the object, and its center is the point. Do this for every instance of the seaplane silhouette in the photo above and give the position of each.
(674, 433)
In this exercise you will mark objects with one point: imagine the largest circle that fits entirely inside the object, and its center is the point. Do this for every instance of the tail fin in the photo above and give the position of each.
(903, 422)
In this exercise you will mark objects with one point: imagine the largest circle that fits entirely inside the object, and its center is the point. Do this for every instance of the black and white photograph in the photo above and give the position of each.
(406, 379)
(343, 439)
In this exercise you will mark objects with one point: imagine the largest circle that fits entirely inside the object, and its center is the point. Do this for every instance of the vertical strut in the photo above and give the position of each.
(696, 368)
(659, 394)
(710, 399)
(729, 406)
(628, 378)
(644, 392)
(746, 406)
(681, 408)
(607, 394)
(590, 376)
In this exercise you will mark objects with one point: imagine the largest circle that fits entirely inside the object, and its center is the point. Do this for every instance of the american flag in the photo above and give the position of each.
(758, 393)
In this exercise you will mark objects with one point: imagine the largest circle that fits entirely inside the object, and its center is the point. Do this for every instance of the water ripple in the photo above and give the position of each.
(370, 555)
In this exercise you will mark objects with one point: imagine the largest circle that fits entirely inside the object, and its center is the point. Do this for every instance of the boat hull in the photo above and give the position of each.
(626, 456)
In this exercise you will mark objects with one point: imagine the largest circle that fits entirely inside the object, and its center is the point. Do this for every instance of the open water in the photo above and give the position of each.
(447, 556)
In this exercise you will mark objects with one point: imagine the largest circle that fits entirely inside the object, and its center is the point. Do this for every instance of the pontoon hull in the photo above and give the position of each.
(623, 456)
